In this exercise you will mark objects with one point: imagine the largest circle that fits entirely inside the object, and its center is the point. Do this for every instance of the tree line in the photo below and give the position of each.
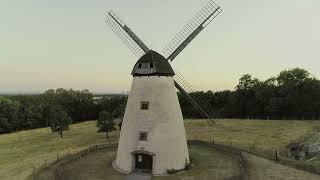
(292, 94)
(55, 109)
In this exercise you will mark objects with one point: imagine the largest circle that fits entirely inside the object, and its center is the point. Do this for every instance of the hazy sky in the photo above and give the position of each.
(50, 44)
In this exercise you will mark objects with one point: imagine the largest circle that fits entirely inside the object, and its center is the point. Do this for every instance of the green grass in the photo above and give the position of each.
(315, 138)
(261, 137)
(245, 134)
(260, 168)
(208, 163)
(19, 152)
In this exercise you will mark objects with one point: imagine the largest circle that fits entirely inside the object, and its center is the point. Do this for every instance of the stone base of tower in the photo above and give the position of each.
(152, 139)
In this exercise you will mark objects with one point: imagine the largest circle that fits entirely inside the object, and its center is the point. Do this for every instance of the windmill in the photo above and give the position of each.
(152, 136)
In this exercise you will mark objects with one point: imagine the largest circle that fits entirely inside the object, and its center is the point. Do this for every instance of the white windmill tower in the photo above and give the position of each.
(152, 136)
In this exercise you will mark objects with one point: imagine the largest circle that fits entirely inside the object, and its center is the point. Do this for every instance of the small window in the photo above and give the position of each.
(139, 158)
(151, 65)
(144, 105)
(143, 136)
(139, 66)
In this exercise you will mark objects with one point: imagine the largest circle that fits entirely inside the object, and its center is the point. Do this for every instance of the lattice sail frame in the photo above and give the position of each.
(124, 33)
(202, 105)
(191, 30)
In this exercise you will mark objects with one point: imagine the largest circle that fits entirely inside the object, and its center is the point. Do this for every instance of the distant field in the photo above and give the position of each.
(19, 152)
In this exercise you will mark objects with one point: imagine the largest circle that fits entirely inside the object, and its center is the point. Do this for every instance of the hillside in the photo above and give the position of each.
(19, 152)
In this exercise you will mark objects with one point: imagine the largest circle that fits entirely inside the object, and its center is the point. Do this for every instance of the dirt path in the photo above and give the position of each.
(260, 168)
(137, 177)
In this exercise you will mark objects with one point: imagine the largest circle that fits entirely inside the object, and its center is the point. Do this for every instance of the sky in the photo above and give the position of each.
(48, 44)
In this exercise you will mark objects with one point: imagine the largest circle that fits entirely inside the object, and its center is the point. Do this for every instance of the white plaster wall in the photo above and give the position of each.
(163, 122)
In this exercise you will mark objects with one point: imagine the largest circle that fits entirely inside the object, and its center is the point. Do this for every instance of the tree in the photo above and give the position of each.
(246, 82)
(293, 77)
(105, 123)
(9, 120)
(59, 121)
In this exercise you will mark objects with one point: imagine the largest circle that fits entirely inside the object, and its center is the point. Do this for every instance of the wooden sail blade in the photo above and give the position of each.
(191, 30)
(194, 103)
(126, 35)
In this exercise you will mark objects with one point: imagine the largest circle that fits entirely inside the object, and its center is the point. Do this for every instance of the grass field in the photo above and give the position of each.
(262, 169)
(20, 152)
(261, 137)
(246, 134)
(96, 165)
(208, 164)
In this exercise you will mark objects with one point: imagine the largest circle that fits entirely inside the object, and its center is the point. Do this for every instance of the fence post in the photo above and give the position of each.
(45, 163)
(33, 174)
(57, 156)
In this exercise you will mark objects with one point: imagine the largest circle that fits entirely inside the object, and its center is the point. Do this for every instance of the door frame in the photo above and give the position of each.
(134, 153)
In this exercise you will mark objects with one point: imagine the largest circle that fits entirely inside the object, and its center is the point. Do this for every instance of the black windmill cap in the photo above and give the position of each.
(161, 66)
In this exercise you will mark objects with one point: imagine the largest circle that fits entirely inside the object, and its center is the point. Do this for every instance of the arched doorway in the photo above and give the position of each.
(143, 161)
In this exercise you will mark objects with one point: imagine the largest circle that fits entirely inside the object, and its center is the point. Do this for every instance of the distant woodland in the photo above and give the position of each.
(292, 94)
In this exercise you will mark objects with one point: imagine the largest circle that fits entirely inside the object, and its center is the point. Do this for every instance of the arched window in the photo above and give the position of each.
(139, 66)
(151, 65)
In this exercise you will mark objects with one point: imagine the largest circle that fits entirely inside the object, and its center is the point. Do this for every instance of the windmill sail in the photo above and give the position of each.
(132, 41)
(194, 103)
(191, 30)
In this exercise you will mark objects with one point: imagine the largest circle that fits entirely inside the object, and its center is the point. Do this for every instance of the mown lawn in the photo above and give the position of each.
(20, 152)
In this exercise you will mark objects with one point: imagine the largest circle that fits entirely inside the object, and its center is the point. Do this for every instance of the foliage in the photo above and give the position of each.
(8, 115)
(105, 122)
(292, 94)
(59, 121)
(22, 112)
(188, 164)
(173, 171)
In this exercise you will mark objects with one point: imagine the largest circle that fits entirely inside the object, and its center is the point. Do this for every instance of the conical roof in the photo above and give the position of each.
(152, 64)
